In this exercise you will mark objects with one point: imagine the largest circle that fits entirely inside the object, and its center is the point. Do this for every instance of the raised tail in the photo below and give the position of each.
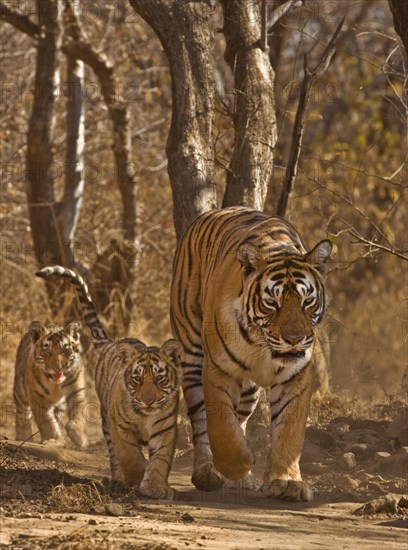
(99, 335)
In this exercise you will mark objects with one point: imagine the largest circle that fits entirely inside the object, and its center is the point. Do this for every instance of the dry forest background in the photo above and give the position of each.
(351, 184)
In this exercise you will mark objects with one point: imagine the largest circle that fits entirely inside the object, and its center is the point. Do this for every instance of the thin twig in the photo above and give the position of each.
(297, 135)
(282, 10)
(351, 204)
(377, 246)
(385, 179)
(363, 240)
(264, 32)
(345, 264)
(19, 447)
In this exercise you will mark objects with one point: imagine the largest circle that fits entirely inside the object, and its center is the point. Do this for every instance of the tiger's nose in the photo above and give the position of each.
(293, 340)
(148, 399)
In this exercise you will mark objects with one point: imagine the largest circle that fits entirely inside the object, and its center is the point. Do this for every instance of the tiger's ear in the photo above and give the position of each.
(36, 329)
(172, 349)
(126, 352)
(251, 258)
(319, 255)
(74, 330)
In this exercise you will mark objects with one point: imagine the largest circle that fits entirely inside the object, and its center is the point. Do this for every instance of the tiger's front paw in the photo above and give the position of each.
(77, 435)
(206, 478)
(158, 492)
(247, 482)
(288, 489)
(235, 466)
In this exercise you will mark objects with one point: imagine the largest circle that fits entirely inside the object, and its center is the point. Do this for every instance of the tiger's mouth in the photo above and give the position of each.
(57, 377)
(291, 354)
(145, 407)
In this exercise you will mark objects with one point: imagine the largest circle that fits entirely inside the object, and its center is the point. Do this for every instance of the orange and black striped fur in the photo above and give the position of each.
(138, 388)
(245, 301)
(49, 377)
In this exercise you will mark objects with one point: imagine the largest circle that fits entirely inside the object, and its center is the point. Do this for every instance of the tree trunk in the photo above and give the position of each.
(190, 145)
(74, 158)
(254, 120)
(77, 45)
(399, 10)
(111, 277)
(185, 32)
(40, 189)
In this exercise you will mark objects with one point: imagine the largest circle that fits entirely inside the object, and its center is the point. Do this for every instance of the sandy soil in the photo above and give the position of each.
(62, 498)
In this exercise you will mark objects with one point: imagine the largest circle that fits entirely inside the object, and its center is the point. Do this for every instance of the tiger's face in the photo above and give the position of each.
(56, 350)
(284, 299)
(291, 303)
(152, 374)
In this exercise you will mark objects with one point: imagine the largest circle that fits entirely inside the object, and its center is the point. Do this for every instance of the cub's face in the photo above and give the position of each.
(152, 375)
(56, 349)
(284, 298)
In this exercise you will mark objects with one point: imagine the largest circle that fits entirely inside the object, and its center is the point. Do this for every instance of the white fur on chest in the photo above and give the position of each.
(266, 371)
(263, 369)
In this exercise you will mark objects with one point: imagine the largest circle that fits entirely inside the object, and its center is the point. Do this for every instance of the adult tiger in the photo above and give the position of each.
(138, 388)
(245, 300)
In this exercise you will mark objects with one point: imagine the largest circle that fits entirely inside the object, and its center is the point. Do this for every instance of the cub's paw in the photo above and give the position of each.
(157, 492)
(54, 442)
(77, 435)
(288, 489)
(206, 478)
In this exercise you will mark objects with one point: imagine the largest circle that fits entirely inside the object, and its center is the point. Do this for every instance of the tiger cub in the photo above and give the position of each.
(138, 388)
(49, 376)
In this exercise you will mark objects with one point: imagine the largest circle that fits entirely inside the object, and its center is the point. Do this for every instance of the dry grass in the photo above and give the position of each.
(76, 498)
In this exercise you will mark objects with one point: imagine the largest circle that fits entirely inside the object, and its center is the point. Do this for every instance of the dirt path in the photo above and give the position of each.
(214, 527)
(230, 519)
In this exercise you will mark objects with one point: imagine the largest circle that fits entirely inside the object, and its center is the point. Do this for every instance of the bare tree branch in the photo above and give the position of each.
(352, 205)
(376, 228)
(19, 21)
(298, 128)
(281, 11)
(376, 246)
(385, 179)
